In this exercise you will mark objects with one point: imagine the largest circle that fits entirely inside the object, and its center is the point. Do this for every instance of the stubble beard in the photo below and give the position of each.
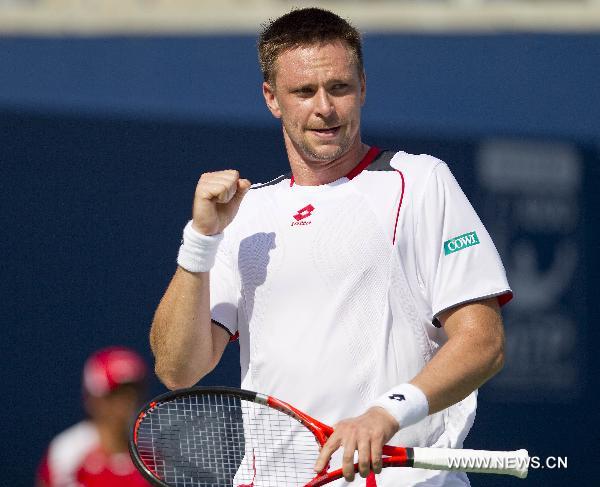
(308, 150)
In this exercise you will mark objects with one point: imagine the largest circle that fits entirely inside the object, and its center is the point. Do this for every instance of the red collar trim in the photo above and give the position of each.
(360, 167)
(366, 162)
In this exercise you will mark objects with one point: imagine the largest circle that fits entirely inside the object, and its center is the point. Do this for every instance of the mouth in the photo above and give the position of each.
(326, 132)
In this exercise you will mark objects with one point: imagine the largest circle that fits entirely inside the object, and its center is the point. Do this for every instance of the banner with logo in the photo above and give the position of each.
(529, 194)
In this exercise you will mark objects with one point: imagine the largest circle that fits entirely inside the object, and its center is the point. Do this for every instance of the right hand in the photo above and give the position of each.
(217, 200)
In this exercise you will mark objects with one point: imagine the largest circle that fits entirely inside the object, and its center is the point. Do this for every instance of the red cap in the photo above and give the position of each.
(111, 367)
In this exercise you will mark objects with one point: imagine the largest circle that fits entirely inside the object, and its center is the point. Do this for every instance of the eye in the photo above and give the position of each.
(303, 91)
(339, 88)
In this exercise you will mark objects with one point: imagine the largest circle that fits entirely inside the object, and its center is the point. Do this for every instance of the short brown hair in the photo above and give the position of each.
(304, 27)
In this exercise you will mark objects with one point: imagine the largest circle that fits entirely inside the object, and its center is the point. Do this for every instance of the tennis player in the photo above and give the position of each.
(363, 287)
(93, 453)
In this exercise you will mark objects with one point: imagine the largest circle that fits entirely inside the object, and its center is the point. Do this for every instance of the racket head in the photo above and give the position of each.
(217, 436)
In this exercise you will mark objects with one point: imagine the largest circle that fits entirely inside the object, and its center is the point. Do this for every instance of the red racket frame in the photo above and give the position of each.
(394, 456)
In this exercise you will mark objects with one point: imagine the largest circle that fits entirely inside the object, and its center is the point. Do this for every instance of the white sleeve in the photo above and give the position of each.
(224, 291)
(457, 261)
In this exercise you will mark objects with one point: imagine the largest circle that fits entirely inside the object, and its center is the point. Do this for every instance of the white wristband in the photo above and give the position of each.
(197, 252)
(406, 403)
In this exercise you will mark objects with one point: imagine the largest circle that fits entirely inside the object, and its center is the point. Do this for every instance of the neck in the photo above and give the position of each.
(309, 172)
(113, 438)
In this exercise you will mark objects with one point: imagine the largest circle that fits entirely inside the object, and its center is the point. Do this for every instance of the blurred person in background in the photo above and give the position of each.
(94, 452)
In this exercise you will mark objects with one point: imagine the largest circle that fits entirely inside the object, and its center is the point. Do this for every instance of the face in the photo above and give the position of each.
(118, 407)
(318, 93)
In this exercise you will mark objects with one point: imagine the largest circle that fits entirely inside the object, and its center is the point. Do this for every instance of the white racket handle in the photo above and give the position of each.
(477, 461)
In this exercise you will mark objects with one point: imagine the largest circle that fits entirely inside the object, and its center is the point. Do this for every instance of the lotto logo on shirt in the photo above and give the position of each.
(302, 214)
(461, 242)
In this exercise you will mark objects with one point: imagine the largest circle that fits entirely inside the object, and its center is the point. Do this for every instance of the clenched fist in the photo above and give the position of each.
(217, 200)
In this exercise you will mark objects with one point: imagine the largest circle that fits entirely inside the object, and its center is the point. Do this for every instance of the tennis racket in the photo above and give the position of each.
(226, 437)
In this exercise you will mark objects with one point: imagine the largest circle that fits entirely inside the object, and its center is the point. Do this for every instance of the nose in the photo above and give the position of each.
(324, 106)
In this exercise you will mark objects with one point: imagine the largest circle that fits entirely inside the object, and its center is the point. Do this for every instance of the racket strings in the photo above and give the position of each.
(218, 440)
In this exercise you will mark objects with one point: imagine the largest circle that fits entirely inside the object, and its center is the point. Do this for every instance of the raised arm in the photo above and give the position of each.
(185, 343)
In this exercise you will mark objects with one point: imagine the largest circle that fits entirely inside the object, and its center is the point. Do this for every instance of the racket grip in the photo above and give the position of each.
(514, 463)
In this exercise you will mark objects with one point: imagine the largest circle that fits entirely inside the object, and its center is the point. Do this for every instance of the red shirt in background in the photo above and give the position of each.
(75, 459)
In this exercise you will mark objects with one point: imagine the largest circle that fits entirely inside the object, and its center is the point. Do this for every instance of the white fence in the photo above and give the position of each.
(210, 16)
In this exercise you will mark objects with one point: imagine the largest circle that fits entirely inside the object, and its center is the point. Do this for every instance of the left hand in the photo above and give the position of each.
(367, 434)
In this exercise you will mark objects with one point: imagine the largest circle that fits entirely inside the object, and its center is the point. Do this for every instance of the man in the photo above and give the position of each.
(94, 452)
(363, 287)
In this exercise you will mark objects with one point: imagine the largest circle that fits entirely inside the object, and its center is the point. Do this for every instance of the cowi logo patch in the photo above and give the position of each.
(461, 242)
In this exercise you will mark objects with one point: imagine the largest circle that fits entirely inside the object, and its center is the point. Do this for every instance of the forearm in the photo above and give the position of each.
(185, 344)
(181, 336)
(473, 354)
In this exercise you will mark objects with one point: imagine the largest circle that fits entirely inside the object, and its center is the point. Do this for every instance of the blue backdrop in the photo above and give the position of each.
(101, 144)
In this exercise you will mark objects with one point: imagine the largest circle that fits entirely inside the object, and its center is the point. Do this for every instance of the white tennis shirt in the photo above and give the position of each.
(334, 290)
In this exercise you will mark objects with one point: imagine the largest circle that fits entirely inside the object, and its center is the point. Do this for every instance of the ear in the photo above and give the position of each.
(271, 99)
(363, 88)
